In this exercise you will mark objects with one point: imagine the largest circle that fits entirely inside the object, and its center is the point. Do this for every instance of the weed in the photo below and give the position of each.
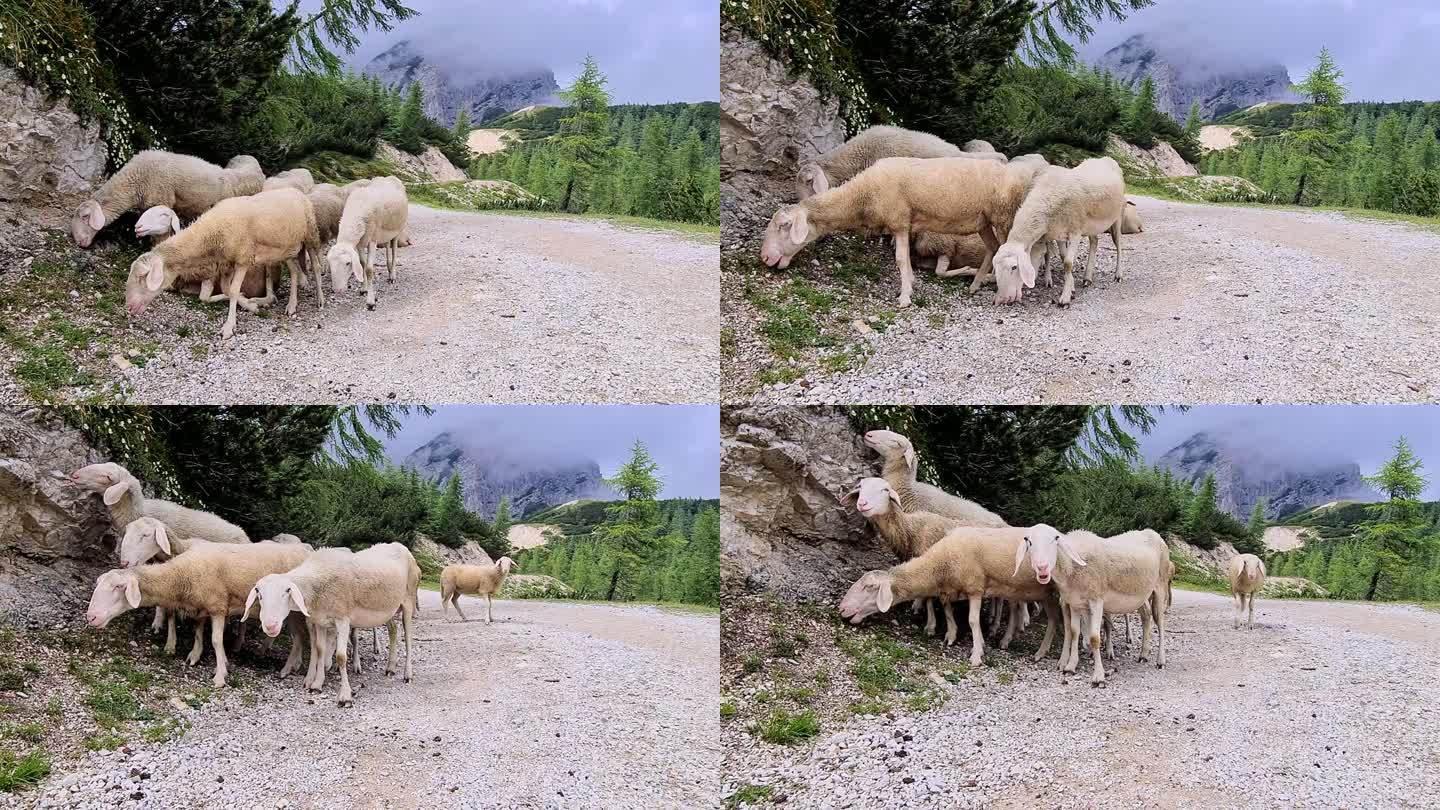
(727, 709)
(108, 741)
(784, 728)
(868, 707)
(749, 794)
(19, 773)
(29, 732)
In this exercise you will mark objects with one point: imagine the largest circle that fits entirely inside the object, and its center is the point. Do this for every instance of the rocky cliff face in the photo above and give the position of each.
(782, 529)
(49, 161)
(1181, 78)
(1243, 475)
(54, 537)
(447, 92)
(487, 474)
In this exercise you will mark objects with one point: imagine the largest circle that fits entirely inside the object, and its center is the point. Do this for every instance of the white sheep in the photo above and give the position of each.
(210, 580)
(1130, 219)
(862, 151)
(186, 184)
(1096, 576)
(240, 234)
(298, 179)
(1247, 578)
(147, 538)
(978, 146)
(483, 580)
(1064, 205)
(968, 563)
(375, 213)
(900, 196)
(329, 201)
(127, 503)
(899, 468)
(337, 590)
(161, 222)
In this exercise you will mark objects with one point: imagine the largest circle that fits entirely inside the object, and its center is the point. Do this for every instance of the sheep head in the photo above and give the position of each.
(811, 180)
(344, 262)
(158, 223)
(1014, 270)
(277, 595)
(1044, 543)
(116, 591)
(87, 221)
(505, 564)
(107, 477)
(145, 537)
(872, 497)
(789, 231)
(892, 445)
(148, 276)
(872, 593)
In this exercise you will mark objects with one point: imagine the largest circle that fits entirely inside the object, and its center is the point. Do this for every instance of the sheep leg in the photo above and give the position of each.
(355, 645)
(942, 262)
(1024, 614)
(237, 278)
(1097, 617)
(217, 639)
(1144, 634)
(314, 255)
(1052, 609)
(158, 623)
(1158, 608)
(952, 630)
(1071, 661)
(295, 276)
(455, 600)
(370, 276)
(407, 614)
(198, 648)
(1250, 605)
(991, 246)
(315, 674)
(390, 666)
(1090, 261)
(1127, 629)
(488, 619)
(1110, 637)
(996, 607)
(929, 616)
(977, 642)
(170, 634)
(297, 632)
(1238, 599)
(240, 636)
(902, 262)
(1115, 238)
(342, 657)
(1068, 260)
(390, 260)
(1010, 627)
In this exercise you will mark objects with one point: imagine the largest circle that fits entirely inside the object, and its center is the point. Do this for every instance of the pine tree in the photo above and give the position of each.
(1143, 115)
(1395, 533)
(584, 134)
(462, 125)
(1257, 520)
(628, 533)
(1317, 145)
(502, 517)
(1192, 122)
(1200, 515)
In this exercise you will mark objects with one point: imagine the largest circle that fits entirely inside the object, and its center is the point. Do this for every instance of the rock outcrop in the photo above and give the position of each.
(782, 528)
(447, 91)
(1191, 73)
(55, 537)
(430, 166)
(1161, 160)
(770, 121)
(49, 160)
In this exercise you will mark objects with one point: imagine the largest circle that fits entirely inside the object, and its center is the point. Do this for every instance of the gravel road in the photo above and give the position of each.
(1322, 704)
(486, 308)
(555, 705)
(1219, 304)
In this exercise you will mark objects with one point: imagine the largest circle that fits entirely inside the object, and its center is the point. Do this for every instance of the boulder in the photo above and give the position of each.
(782, 528)
(49, 160)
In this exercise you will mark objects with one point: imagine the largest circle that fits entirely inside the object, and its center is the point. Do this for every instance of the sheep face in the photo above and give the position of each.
(873, 497)
(505, 564)
(891, 445)
(277, 595)
(871, 594)
(87, 221)
(148, 276)
(115, 592)
(108, 478)
(1014, 271)
(789, 231)
(344, 262)
(1044, 543)
(144, 538)
(158, 223)
(244, 162)
(811, 180)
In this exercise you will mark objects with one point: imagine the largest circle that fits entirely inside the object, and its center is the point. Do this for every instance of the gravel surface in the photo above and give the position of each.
(1219, 304)
(485, 308)
(1322, 704)
(555, 705)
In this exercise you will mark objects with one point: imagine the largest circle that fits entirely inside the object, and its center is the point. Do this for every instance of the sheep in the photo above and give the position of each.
(127, 503)
(949, 249)
(239, 234)
(157, 223)
(210, 580)
(908, 533)
(335, 590)
(1096, 576)
(484, 580)
(862, 151)
(978, 146)
(375, 213)
(403, 240)
(299, 179)
(187, 184)
(1063, 205)
(968, 563)
(899, 468)
(161, 222)
(329, 201)
(899, 196)
(1130, 219)
(1247, 577)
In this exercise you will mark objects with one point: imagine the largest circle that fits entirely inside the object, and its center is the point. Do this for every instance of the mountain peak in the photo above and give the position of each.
(486, 94)
(1185, 70)
(533, 480)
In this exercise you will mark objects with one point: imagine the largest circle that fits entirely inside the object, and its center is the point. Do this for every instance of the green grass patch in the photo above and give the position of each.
(164, 730)
(784, 728)
(12, 675)
(19, 773)
(877, 661)
(104, 741)
(750, 794)
(752, 664)
(869, 707)
(29, 732)
(728, 709)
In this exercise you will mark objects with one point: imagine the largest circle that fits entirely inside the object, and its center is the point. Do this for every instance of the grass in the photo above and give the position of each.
(727, 709)
(878, 659)
(29, 732)
(104, 741)
(12, 674)
(18, 773)
(784, 728)
(750, 794)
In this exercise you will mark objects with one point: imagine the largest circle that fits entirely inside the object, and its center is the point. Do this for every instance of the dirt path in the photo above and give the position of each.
(486, 307)
(555, 705)
(1219, 304)
(1322, 704)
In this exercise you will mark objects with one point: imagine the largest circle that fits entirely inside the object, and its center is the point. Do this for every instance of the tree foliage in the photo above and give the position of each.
(1055, 23)
(339, 24)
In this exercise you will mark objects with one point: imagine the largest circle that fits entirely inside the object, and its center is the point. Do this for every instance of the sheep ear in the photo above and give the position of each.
(911, 460)
(895, 498)
(175, 223)
(886, 597)
(850, 497)
(115, 492)
(1020, 555)
(132, 591)
(799, 226)
(162, 539)
(298, 599)
(93, 215)
(154, 271)
(1027, 269)
(249, 602)
(1070, 551)
(818, 181)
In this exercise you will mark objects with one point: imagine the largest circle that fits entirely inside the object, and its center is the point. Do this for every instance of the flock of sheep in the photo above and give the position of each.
(956, 549)
(244, 227)
(206, 568)
(915, 186)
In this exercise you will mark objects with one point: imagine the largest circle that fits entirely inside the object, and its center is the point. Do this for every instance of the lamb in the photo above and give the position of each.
(241, 234)
(335, 590)
(127, 503)
(1247, 577)
(477, 579)
(899, 471)
(210, 580)
(908, 533)
(299, 179)
(1130, 219)
(1064, 205)
(1096, 576)
(899, 196)
(186, 184)
(161, 222)
(968, 563)
(862, 151)
(375, 213)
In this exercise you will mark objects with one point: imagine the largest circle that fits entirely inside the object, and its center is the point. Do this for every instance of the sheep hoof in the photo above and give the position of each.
(345, 704)
(370, 307)
(1159, 666)
(407, 679)
(1097, 684)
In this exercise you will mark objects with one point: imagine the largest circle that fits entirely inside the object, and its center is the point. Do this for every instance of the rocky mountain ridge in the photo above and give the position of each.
(447, 90)
(532, 482)
(1181, 78)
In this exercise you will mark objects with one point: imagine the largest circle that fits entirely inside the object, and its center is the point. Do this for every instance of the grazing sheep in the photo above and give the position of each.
(121, 493)
(473, 579)
(210, 580)
(1096, 576)
(298, 179)
(968, 563)
(900, 196)
(329, 201)
(188, 185)
(1130, 219)
(862, 151)
(375, 213)
(337, 590)
(1063, 205)
(899, 470)
(161, 222)
(157, 223)
(1247, 577)
(239, 234)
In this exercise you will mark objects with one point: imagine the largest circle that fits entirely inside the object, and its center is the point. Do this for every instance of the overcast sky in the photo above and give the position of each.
(1387, 48)
(683, 439)
(1364, 434)
(653, 51)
